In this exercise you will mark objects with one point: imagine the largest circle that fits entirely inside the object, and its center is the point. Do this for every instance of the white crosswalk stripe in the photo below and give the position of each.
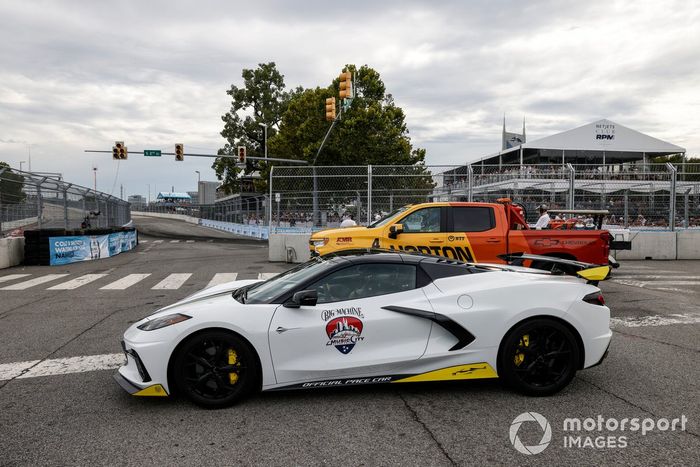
(33, 282)
(647, 277)
(77, 282)
(143, 241)
(167, 282)
(221, 278)
(125, 282)
(172, 282)
(174, 241)
(158, 241)
(189, 241)
(12, 277)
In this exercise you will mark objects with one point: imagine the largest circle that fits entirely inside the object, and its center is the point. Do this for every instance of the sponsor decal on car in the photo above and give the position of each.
(343, 240)
(454, 252)
(344, 332)
(351, 310)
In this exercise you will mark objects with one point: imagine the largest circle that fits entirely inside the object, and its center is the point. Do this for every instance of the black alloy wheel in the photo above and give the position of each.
(215, 369)
(539, 357)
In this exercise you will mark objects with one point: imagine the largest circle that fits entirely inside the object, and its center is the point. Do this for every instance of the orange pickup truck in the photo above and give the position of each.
(470, 232)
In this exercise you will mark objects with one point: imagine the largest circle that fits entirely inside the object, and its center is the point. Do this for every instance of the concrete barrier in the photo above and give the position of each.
(282, 245)
(688, 244)
(652, 245)
(180, 217)
(11, 251)
(12, 225)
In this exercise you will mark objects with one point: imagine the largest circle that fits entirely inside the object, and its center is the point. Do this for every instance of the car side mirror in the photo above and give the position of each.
(395, 230)
(302, 298)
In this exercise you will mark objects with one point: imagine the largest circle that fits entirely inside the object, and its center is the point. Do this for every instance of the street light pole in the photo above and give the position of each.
(199, 197)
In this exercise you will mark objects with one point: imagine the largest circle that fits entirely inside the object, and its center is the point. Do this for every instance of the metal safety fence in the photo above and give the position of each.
(42, 201)
(246, 209)
(650, 196)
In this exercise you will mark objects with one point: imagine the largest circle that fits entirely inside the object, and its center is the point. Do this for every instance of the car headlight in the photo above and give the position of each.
(163, 321)
(319, 242)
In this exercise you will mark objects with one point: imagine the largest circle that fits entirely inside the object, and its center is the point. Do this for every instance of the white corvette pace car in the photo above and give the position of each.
(371, 317)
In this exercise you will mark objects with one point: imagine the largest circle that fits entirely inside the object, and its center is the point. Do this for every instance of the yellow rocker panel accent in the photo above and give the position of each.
(595, 274)
(459, 372)
(153, 391)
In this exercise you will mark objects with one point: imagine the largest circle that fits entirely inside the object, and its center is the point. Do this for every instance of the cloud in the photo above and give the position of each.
(79, 75)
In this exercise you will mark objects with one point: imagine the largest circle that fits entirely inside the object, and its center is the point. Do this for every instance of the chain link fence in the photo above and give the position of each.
(43, 201)
(247, 209)
(651, 196)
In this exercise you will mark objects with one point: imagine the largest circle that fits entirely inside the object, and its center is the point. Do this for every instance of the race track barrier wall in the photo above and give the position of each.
(653, 245)
(11, 251)
(60, 246)
(246, 230)
(687, 244)
(180, 217)
(293, 248)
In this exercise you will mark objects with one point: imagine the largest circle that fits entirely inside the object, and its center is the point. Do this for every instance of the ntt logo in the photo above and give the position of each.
(543, 426)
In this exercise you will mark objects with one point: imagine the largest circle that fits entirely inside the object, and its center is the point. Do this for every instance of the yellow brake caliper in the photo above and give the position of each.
(519, 356)
(232, 360)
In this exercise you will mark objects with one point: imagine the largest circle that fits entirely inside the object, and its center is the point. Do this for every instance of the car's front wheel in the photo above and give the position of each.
(538, 357)
(215, 369)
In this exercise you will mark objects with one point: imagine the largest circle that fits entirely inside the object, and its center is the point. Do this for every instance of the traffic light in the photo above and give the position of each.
(119, 151)
(345, 85)
(179, 152)
(241, 153)
(330, 109)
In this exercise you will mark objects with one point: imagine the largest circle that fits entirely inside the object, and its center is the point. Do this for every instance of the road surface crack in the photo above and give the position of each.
(600, 388)
(418, 420)
(637, 336)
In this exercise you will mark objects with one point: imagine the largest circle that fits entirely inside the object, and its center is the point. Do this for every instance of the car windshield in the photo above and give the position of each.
(264, 292)
(386, 219)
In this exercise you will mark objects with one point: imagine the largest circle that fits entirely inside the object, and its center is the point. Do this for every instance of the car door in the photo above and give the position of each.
(423, 231)
(348, 333)
(473, 234)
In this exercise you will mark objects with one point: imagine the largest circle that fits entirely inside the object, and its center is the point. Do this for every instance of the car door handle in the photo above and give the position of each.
(436, 240)
(493, 240)
(280, 329)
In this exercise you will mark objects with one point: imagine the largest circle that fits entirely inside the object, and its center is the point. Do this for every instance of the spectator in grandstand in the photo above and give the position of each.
(544, 219)
(348, 222)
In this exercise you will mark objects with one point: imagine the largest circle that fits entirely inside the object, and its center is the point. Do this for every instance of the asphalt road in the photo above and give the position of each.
(85, 418)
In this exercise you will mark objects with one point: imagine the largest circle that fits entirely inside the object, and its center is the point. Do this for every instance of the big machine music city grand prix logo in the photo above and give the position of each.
(344, 332)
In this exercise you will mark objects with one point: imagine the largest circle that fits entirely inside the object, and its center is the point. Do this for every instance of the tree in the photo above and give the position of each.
(261, 100)
(371, 131)
(11, 186)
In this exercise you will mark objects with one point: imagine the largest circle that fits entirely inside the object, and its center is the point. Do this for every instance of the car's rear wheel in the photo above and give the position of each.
(215, 369)
(539, 357)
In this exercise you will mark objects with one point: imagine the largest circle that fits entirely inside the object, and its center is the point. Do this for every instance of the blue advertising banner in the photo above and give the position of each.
(66, 250)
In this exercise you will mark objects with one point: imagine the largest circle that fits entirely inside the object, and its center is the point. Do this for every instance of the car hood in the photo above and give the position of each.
(340, 231)
(221, 289)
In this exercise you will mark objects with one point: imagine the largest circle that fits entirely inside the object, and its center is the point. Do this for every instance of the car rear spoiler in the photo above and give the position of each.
(593, 273)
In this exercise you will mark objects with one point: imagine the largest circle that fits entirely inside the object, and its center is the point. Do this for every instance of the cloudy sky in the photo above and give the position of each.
(78, 75)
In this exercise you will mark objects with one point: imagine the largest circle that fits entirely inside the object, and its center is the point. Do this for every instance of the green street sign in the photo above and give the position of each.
(151, 152)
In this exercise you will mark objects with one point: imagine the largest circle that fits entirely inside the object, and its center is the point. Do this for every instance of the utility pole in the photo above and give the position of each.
(94, 172)
(121, 191)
